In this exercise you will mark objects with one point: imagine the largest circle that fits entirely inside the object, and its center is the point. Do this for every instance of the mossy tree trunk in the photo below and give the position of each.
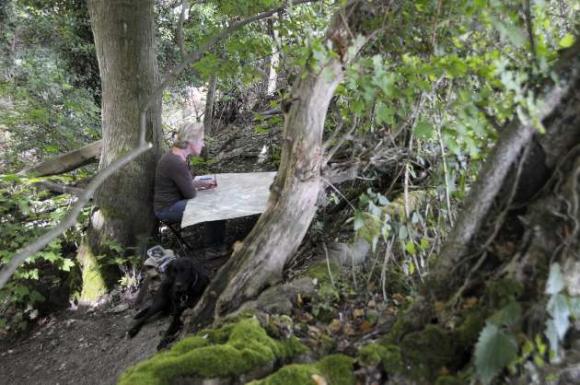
(259, 261)
(124, 36)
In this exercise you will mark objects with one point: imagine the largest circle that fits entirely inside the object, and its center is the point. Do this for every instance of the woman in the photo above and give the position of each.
(174, 185)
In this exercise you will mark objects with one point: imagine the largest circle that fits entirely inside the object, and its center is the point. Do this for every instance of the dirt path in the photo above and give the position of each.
(78, 347)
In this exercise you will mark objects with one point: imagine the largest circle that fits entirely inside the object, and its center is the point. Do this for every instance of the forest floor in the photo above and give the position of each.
(89, 346)
(86, 346)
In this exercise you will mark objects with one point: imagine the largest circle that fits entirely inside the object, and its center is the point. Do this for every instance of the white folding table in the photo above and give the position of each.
(236, 195)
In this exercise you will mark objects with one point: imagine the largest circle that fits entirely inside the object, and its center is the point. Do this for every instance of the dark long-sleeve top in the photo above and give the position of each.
(173, 181)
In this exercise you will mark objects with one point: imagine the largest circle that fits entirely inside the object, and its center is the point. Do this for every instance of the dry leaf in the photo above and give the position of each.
(366, 326)
(335, 326)
(358, 313)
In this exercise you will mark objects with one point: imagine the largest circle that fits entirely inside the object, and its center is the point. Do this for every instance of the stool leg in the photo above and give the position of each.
(183, 243)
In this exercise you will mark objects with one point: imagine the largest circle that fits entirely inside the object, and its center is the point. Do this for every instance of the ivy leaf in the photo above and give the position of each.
(555, 282)
(560, 312)
(494, 350)
(552, 336)
(566, 41)
(403, 232)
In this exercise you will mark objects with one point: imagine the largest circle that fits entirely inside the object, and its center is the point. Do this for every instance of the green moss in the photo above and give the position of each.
(335, 369)
(229, 351)
(188, 344)
(319, 271)
(501, 292)
(388, 355)
(468, 331)
(401, 327)
(427, 351)
(94, 286)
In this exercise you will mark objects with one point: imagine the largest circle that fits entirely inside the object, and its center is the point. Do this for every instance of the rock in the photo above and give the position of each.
(349, 254)
(119, 308)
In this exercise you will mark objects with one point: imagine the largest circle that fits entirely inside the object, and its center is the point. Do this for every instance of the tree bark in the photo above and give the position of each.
(125, 44)
(209, 105)
(274, 59)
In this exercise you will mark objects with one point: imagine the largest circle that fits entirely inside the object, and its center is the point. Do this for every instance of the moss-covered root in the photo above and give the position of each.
(94, 286)
(230, 351)
(420, 355)
(389, 356)
(332, 370)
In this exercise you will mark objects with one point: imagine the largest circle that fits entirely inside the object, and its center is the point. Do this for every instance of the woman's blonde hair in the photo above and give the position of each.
(188, 133)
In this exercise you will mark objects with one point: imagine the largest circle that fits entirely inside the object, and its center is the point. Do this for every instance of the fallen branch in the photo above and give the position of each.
(59, 188)
(66, 162)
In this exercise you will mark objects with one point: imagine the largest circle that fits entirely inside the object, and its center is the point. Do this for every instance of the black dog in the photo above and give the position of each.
(181, 288)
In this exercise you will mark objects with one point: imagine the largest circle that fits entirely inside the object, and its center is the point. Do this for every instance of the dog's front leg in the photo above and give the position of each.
(171, 332)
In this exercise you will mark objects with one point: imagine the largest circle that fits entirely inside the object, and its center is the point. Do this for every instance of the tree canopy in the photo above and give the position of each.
(426, 155)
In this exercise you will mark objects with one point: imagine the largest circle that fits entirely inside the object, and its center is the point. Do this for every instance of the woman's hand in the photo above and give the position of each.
(204, 184)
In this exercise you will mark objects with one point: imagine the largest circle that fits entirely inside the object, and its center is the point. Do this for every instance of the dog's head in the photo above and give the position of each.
(183, 275)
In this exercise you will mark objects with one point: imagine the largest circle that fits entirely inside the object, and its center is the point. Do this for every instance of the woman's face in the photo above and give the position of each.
(196, 145)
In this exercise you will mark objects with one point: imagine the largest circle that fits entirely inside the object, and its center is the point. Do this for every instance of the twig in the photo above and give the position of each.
(334, 149)
(388, 254)
(328, 265)
(338, 192)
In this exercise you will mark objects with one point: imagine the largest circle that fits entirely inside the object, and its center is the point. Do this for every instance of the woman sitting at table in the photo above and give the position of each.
(174, 184)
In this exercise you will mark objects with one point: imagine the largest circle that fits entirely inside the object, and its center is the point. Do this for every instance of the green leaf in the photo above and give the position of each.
(410, 248)
(566, 41)
(552, 336)
(508, 315)
(384, 114)
(358, 222)
(423, 130)
(403, 232)
(494, 350)
(555, 282)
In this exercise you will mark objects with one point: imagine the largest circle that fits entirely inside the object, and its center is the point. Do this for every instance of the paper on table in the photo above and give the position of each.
(237, 195)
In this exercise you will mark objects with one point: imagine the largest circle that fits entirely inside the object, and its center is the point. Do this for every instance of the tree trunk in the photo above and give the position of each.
(209, 105)
(125, 44)
(274, 59)
(259, 261)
